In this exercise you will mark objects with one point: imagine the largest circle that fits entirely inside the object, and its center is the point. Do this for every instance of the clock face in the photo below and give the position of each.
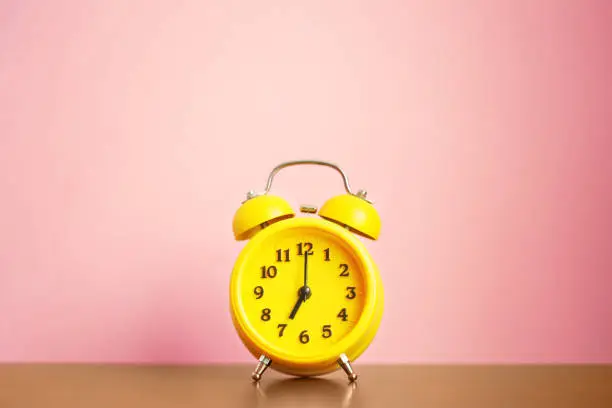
(302, 290)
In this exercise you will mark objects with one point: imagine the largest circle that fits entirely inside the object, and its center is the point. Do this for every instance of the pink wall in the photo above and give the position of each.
(130, 131)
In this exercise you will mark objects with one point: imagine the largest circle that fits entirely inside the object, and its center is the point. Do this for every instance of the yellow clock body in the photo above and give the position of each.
(341, 314)
(306, 297)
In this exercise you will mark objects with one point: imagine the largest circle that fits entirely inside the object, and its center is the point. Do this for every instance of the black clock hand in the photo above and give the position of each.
(297, 305)
(303, 293)
(305, 270)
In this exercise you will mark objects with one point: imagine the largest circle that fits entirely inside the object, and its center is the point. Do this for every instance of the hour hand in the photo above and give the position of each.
(303, 294)
(297, 306)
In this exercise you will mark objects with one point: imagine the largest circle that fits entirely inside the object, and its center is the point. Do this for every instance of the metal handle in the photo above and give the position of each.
(281, 166)
(347, 187)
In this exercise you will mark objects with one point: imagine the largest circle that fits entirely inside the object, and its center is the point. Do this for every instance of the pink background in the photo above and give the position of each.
(131, 130)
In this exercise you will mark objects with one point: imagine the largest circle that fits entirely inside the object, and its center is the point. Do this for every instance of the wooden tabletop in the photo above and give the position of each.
(117, 386)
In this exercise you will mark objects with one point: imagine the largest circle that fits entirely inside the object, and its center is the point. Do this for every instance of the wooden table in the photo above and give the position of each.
(118, 386)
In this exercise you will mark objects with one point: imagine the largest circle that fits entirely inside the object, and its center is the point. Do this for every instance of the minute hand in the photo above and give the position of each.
(305, 270)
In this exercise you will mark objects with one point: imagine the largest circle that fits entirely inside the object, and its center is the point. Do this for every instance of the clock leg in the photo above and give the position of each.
(344, 362)
(262, 364)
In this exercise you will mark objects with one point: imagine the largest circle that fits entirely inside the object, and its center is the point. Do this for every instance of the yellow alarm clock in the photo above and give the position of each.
(306, 297)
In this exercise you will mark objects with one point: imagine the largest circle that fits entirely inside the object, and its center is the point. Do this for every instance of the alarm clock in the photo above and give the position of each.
(306, 297)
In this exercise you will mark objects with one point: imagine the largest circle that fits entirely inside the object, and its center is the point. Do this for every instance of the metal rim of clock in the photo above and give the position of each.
(361, 193)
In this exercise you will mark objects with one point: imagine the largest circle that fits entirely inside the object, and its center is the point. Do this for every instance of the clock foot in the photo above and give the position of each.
(262, 365)
(345, 363)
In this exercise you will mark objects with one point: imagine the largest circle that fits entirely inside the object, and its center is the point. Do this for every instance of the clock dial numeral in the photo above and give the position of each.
(265, 314)
(342, 315)
(344, 270)
(351, 294)
(304, 337)
(327, 331)
(305, 247)
(259, 292)
(326, 252)
(282, 327)
(269, 272)
(282, 255)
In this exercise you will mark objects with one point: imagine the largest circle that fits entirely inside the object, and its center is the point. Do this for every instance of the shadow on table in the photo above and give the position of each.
(304, 393)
